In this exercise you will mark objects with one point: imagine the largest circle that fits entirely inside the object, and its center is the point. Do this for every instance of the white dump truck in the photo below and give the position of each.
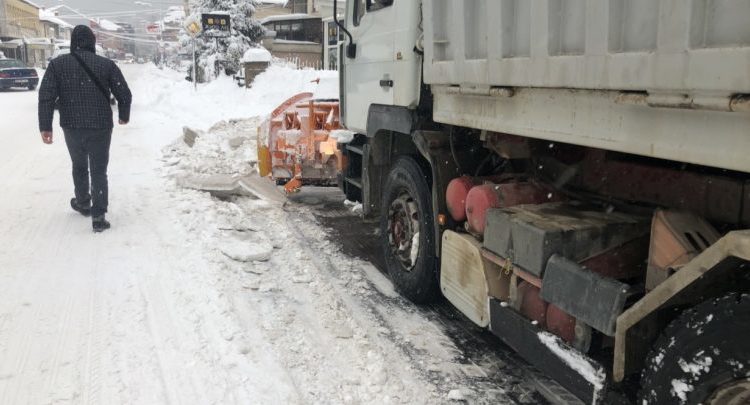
(573, 175)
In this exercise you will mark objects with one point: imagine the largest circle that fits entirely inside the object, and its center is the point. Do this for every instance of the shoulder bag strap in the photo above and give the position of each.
(93, 77)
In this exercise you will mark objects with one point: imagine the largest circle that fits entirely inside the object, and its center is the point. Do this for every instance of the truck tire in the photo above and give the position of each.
(406, 232)
(702, 357)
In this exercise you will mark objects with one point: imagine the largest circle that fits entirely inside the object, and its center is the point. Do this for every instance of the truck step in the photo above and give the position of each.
(577, 373)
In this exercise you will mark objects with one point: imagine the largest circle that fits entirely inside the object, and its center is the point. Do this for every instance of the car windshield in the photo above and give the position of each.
(11, 63)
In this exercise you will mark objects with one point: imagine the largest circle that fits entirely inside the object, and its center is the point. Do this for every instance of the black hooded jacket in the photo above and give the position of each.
(82, 105)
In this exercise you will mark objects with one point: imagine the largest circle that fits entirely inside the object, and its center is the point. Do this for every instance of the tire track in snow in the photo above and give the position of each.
(501, 375)
(93, 352)
(24, 349)
(63, 331)
(382, 311)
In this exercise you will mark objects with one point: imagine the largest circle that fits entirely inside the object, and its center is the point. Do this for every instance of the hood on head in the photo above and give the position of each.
(83, 39)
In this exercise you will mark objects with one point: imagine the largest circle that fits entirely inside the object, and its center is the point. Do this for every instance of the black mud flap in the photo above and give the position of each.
(577, 373)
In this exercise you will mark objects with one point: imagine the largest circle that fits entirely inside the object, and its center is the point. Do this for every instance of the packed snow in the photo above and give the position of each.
(592, 374)
(192, 298)
(680, 389)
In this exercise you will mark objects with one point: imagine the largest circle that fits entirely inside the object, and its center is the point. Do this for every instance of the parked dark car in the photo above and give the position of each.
(14, 73)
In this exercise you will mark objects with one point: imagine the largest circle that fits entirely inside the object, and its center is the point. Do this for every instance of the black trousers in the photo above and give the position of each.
(89, 153)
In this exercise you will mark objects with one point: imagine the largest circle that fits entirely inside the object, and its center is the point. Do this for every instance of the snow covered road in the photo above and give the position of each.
(157, 310)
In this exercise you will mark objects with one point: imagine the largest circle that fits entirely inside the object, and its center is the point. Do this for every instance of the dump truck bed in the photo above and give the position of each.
(700, 46)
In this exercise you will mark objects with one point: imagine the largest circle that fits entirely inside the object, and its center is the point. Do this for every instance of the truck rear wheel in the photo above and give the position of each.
(406, 229)
(703, 356)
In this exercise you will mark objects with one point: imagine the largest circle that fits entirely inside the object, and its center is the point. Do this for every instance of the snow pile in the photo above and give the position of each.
(169, 99)
(246, 247)
(327, 89)
(256, 55)
(230, 146)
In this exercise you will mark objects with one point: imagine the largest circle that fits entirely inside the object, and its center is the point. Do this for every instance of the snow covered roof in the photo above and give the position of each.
(106, 24)
(37, 41)
(174, 15)
(49, 16)
(274, 2)
(286, 17)
(31, 3)
(257, 55)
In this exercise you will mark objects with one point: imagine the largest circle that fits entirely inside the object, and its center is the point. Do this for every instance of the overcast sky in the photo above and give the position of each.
(115, 10)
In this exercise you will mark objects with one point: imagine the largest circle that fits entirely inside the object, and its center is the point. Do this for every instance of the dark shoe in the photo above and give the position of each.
(100, 224)
(82, 209)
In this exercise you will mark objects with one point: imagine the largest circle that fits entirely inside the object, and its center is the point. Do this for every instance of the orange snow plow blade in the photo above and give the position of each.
(294, 144)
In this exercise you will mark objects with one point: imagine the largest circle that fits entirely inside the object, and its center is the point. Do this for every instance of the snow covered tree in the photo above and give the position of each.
(224, 53)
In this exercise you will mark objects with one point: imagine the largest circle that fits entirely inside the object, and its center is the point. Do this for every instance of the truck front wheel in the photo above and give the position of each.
(407, 233)
(703, 356)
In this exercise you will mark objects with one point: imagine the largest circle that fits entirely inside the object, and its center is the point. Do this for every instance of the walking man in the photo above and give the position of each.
(79, 84)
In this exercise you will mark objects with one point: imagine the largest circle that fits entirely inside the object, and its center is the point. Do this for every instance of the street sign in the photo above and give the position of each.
(192, 25)
(216, 24)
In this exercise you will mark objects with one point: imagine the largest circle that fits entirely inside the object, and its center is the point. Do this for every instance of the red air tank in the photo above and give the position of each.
(482, 198)
(458, 189)
(455, 196)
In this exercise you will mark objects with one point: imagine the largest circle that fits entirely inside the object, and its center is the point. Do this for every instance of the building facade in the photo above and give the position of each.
(19, 19)
(23, 34)
(300, 31)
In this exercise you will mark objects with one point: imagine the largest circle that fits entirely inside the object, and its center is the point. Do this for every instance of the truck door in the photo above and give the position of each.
(385, 69)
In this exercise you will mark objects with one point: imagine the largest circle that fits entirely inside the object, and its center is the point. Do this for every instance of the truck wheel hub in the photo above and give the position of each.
(403, 225)
(732, 393)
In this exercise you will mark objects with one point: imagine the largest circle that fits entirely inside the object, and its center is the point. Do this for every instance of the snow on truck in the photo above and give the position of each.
(572, 175)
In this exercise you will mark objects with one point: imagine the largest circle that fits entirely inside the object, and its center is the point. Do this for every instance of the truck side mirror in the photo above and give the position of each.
(351, 48)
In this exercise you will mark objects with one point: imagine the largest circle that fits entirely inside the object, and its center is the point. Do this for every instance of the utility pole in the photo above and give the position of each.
(186, 4)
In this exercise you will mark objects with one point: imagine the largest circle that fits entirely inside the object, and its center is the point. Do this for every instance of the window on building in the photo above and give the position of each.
(297, 32)
(300, 6)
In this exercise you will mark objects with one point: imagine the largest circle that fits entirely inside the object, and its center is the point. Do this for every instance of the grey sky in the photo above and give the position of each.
(115, 10)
